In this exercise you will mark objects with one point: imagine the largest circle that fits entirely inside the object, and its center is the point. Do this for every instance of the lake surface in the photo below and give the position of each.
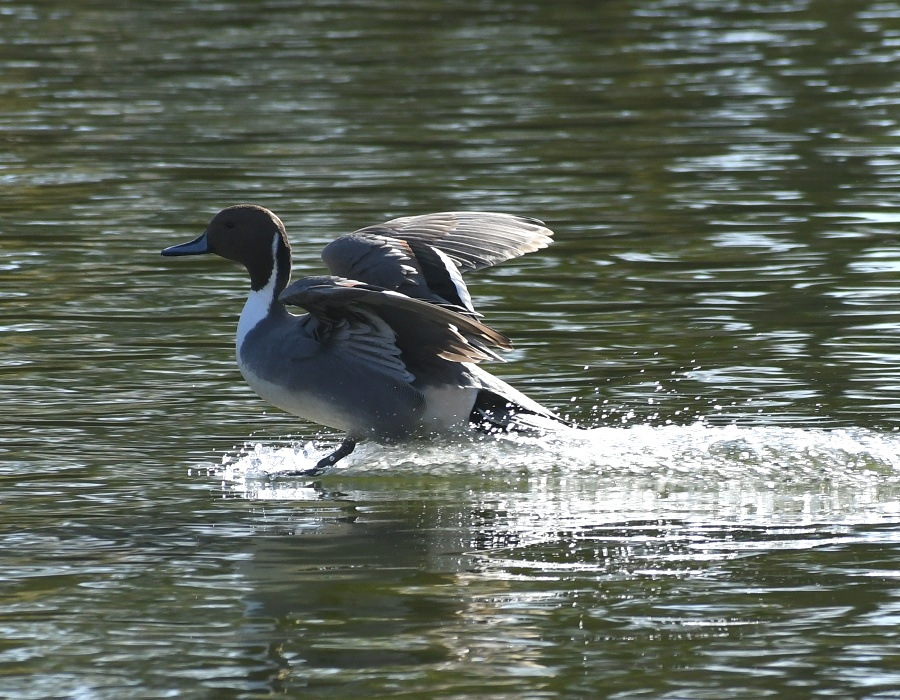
(720, 312)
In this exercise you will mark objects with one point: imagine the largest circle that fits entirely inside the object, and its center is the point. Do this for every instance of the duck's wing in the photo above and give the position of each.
(425, 256)
(471, 239)
(391, 332)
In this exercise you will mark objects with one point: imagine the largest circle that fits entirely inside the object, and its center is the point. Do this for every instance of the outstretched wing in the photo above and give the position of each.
(472, 239)
(388, 330)
(425, 256)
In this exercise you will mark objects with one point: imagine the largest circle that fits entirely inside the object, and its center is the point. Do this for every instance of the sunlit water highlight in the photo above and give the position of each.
(758, 475)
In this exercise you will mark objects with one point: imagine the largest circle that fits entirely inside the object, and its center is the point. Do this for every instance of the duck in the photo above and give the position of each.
(390, 344)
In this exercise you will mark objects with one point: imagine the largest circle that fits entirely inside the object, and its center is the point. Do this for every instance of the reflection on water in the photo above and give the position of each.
(684, 541)
(720, 310)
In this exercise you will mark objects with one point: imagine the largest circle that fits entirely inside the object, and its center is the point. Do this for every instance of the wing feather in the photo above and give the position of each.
(424, 256)
(473, 239)
(388, 330)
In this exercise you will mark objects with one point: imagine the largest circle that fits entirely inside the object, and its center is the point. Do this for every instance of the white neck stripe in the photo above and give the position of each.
(259, 301)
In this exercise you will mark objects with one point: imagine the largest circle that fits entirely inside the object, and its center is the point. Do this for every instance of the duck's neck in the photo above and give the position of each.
(262, 301)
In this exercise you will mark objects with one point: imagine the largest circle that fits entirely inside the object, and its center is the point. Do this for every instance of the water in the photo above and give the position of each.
(719, 312)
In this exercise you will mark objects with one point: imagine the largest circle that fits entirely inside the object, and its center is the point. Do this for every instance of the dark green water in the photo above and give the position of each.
(721, 309)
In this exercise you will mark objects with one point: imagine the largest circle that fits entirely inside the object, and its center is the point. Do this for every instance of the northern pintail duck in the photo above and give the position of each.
(390, 344)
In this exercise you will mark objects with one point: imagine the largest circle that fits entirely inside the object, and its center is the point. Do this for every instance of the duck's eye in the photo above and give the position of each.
(229, 224)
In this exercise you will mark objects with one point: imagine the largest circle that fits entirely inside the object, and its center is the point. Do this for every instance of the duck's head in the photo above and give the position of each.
(250, 235)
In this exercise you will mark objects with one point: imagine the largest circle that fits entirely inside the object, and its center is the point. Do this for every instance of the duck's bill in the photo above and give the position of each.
(198, 246)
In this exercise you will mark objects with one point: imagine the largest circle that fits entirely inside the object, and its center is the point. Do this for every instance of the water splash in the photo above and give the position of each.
(762, 474)
(693, 451)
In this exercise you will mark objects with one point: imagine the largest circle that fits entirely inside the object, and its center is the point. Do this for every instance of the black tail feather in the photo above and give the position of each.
(493, 414)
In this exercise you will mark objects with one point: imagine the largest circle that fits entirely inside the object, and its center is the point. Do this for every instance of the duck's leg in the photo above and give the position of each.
(346, 447)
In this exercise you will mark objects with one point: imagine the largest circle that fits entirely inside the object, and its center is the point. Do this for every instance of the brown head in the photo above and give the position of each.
(250, 235)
